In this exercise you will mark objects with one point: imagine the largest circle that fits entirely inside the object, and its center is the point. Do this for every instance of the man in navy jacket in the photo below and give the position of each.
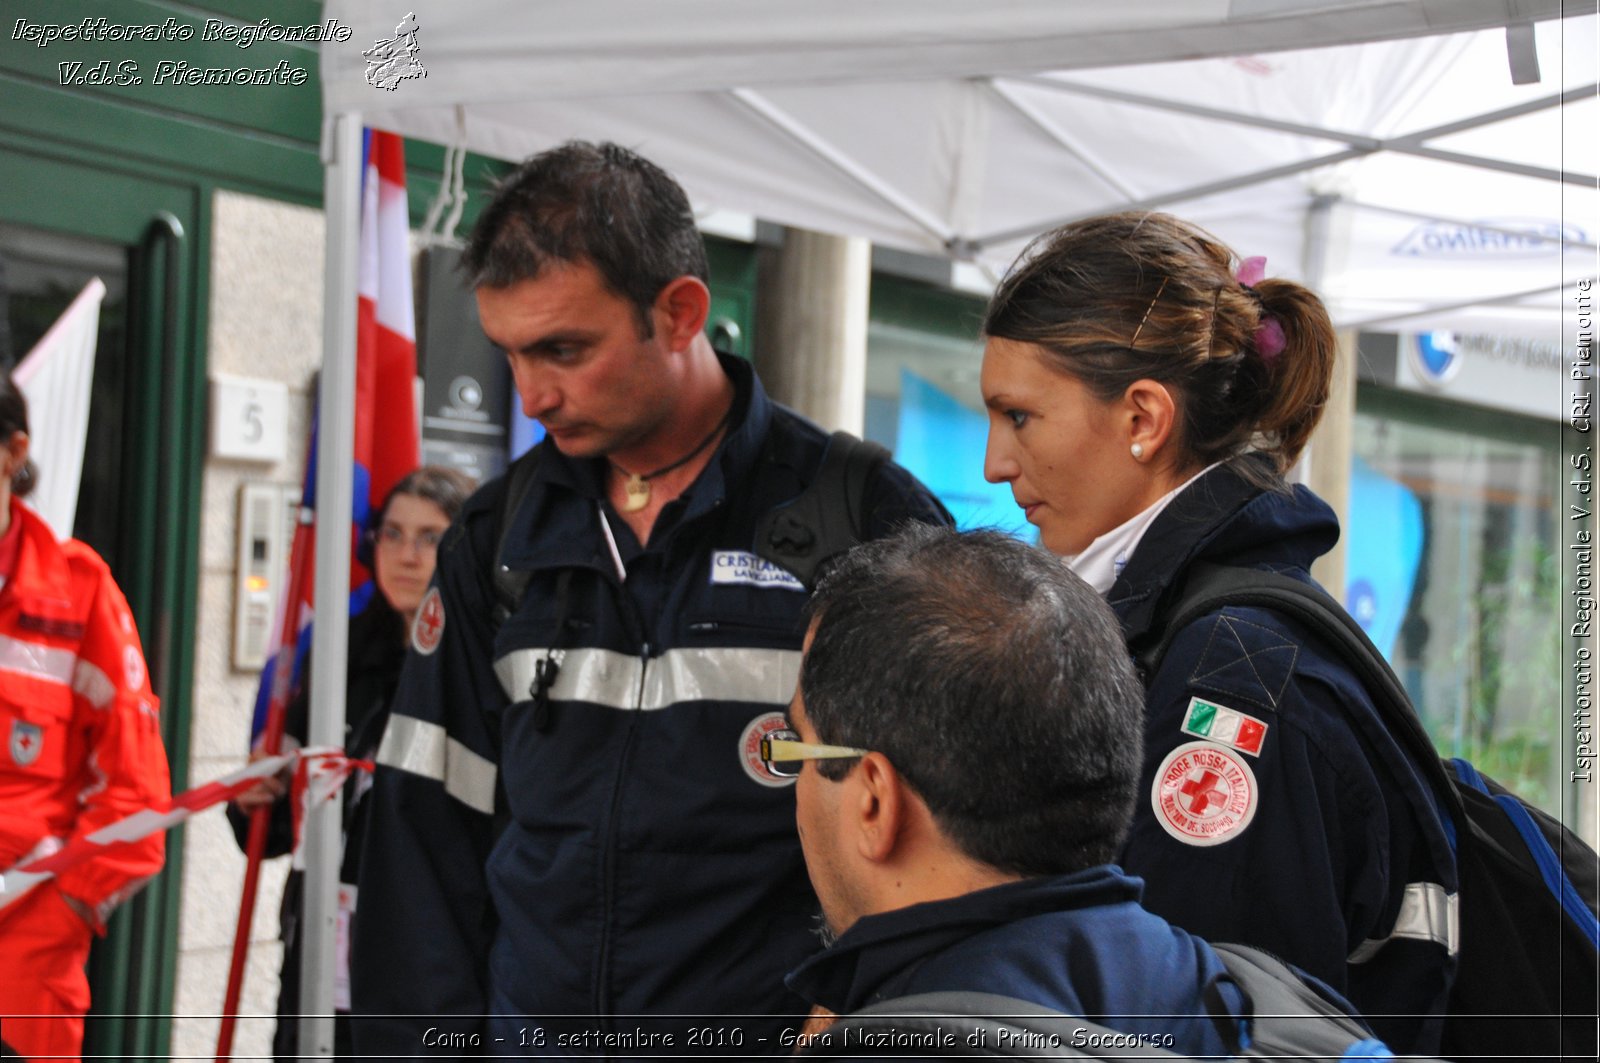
(973, 724)
(570, 815)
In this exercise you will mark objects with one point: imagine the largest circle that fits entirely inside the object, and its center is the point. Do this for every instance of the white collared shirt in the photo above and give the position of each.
(1103, 560)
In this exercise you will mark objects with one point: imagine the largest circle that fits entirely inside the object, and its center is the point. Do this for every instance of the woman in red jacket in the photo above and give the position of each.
(82, 749)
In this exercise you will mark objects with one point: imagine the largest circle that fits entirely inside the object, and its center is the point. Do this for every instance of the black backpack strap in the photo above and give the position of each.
(828, 517)
(510, 585)
(1210, 587)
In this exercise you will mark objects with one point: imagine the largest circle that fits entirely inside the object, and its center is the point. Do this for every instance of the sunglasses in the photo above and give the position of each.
(784, 754)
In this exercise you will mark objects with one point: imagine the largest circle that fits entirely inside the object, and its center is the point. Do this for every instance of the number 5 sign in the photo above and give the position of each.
(249, 419)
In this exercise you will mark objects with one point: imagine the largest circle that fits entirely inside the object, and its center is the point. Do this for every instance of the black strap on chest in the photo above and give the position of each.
(801, 535)
(511, 584)
(1209, 588)
(828, 517)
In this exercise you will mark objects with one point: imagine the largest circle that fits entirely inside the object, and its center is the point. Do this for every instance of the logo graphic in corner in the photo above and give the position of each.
(1490, 239)
(743, 567)
(393, 61)
(1436, 357)
(26, 741)
(428, 628)
(1230, 727)
(750, 748)
(1203, 794)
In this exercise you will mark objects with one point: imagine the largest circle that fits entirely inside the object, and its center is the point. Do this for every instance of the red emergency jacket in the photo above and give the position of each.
(80, 742)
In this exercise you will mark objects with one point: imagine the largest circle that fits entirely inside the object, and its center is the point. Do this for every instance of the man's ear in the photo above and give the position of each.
(681, 308)
(880, 804)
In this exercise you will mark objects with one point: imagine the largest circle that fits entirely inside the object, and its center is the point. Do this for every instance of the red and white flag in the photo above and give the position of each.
(387, 432)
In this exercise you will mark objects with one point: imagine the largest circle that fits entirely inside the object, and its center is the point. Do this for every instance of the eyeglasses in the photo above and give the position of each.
(784, 754)
(392, 537)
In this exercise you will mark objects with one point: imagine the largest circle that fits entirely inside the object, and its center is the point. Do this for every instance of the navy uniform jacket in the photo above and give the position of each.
(1078, 943)
(644, 860)
(1276, 809)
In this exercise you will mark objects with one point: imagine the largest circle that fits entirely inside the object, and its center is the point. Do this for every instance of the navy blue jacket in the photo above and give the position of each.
(1078, 943)
(612, 846)
(1276, 810)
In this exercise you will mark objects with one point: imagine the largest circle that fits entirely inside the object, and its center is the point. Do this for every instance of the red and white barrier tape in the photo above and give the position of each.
(319, 772)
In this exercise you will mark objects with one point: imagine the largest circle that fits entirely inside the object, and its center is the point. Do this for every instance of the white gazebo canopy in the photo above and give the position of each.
(1375, 148)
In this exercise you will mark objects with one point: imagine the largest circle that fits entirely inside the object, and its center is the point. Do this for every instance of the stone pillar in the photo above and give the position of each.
(1328, 463)
(811, 326)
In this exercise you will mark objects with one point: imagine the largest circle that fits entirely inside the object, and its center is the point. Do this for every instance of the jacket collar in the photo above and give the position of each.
(558, 523)
(41, 570)
(863, 964)
(1227, 514)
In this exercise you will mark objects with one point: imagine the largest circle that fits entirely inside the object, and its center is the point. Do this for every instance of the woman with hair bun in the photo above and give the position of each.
(1147, 392)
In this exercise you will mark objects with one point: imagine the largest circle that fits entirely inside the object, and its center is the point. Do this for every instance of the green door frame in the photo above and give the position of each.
(165, 224)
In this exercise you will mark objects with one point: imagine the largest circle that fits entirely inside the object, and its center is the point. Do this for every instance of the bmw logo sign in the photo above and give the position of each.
(1363, 601)
(1435, 357)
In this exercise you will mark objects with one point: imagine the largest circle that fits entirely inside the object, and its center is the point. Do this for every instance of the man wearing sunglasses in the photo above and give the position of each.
(966, 741)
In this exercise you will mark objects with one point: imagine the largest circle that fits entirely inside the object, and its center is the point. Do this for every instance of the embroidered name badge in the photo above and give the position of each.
(740, 566)
(428, 628)
(1203, 794)
(1229, 727)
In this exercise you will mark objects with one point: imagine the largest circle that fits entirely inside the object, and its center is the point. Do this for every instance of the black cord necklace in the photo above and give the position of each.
(636, 491)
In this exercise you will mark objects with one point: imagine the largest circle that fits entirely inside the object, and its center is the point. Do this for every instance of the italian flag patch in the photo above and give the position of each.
(1218, 723)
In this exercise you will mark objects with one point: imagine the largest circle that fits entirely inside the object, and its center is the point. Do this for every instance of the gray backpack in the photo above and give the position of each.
(1285, 1019)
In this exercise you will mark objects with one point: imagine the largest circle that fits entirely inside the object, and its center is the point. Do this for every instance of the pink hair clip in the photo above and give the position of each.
(1269, 339)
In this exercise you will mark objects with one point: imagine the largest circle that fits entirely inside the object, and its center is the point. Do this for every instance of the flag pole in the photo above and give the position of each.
(342, 150)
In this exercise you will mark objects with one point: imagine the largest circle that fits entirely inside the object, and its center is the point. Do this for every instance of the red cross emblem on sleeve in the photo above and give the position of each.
(1204, 794)
(428, 628)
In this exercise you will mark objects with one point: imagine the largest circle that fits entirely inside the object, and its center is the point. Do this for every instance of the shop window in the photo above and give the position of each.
(1454, 569)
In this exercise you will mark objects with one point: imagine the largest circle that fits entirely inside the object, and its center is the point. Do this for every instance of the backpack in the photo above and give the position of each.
(801, 535)
(1284, 1018)
(1526, 980)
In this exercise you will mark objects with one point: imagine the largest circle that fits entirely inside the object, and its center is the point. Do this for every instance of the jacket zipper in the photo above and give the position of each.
(608, 858)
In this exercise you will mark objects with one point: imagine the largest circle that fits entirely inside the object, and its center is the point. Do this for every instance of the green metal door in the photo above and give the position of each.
(139, 505)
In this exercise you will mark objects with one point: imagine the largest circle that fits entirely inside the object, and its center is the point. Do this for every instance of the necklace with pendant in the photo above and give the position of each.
(636, 489)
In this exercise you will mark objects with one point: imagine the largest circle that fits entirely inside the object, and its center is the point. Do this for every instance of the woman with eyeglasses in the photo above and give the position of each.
(403, 539)
(1147, 392)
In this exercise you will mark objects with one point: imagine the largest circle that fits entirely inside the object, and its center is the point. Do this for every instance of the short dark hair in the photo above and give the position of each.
(14, 418)
(596, 203)
(996, 682)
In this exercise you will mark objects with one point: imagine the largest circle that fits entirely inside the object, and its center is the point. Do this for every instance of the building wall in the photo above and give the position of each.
(265, 322)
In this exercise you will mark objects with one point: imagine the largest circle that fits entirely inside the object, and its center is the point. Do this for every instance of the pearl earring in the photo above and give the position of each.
(1138, 451)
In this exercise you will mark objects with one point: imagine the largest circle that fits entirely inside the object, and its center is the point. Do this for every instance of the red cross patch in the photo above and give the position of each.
(1203, 794)
(750, 749)
(428, 628)
(26, 741)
